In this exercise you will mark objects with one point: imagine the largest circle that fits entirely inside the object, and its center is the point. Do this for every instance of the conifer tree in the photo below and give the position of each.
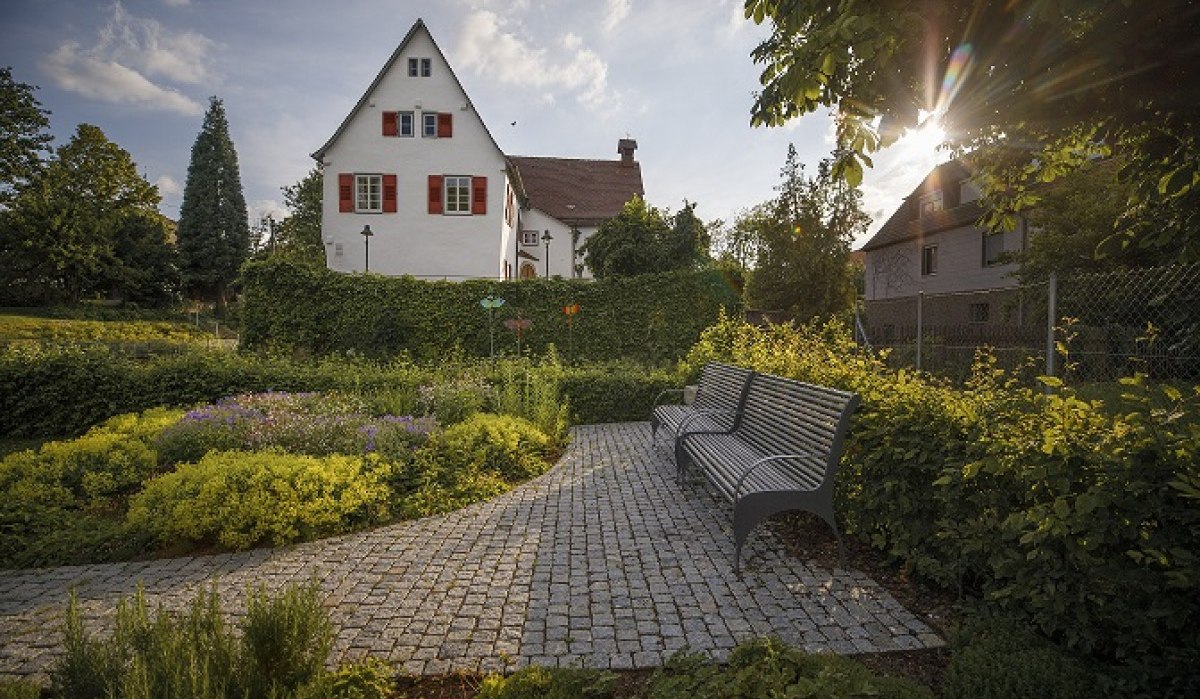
(214, 230)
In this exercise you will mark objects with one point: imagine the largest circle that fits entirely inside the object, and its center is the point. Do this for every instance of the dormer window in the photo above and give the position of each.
(931, 203)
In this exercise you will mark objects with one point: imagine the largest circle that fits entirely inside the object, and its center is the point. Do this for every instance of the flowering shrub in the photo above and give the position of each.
(299, 423)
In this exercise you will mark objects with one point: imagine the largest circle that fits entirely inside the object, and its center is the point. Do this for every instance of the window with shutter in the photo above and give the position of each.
(389, 194)
(445, 124)
(435, 194)
(407, 124)
(389, 123)
(478, 195)
(346, 192)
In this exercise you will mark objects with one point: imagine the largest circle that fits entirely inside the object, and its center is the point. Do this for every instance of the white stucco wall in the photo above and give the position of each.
(895, 271)
(561, 263)
(412, 241)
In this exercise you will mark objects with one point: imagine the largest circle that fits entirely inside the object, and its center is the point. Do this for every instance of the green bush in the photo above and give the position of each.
(511, 447)
(549, 683)
(19, 689)
(240, 499)
(650, 318)
(279, 652)
(1073, 515)
(766, 667)
(613, 392)
(999, 660)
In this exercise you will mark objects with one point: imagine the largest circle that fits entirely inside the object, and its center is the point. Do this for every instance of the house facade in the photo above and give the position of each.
(416, 184)
(931, 246)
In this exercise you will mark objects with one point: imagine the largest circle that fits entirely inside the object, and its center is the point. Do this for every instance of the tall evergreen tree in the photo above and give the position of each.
(214, 230)
(24, 135)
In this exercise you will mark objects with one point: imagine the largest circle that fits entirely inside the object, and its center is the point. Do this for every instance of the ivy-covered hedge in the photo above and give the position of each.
(651, 318)
(1081, 518)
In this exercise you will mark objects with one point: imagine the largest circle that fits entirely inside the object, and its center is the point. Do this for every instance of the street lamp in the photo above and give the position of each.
(366, 234)
(546, 238)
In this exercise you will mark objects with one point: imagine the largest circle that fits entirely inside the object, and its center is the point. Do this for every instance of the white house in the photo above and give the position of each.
(414, 164)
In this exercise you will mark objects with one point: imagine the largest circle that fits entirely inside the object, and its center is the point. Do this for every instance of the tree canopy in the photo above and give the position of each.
(299, 235)
(643, 239)
(214, 232)
(1031, 87)
(802, 243)
(24, 135)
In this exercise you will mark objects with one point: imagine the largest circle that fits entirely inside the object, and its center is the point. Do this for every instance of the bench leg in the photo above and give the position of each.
(753, 508)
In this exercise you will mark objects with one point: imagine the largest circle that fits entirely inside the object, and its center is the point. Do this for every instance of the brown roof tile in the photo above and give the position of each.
(578, 192)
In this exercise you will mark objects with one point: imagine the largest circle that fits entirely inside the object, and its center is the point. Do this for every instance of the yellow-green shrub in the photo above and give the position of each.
(510, 447)
(240, 499)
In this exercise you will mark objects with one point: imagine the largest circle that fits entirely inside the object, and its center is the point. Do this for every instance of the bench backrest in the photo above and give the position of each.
(722, 387)
(785, 416)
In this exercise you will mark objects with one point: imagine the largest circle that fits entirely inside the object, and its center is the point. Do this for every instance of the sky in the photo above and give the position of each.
(555, 78)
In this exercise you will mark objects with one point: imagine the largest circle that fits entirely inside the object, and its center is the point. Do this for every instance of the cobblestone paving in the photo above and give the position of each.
(605, 561)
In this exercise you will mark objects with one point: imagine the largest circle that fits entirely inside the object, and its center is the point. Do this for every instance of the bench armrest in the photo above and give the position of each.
(698, 413)
(777, 457)
(665, 392)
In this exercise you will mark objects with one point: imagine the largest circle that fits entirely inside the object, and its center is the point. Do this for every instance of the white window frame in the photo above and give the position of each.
(529, 238)
(426, 67)
(459, 205)
(368, 193)
(429, 124)
(412, 124)
(413, 68)
(929, 260)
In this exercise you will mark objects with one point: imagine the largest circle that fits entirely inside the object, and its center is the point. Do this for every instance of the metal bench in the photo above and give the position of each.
(781, 455)
(718, 402)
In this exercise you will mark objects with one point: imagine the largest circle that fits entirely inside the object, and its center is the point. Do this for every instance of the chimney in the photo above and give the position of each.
(626, 147)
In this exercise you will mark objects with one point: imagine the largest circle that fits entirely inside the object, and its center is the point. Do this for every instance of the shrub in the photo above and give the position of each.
(241, 499)
(1000, 660)
(1070, 514)
(549, 683)
(766, 667)
(613, 392)
(19, 689)
(284, 641)
(510, 447)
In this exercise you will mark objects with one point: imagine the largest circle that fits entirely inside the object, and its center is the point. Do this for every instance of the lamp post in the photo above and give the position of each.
(546, 238)
(366, 234)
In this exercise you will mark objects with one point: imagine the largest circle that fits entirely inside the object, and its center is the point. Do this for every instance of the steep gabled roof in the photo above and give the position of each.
(902, 225)
(419, 25)
(578, 192)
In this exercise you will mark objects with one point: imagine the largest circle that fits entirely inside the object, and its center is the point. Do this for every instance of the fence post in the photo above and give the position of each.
(920, 325)
(1051, 315)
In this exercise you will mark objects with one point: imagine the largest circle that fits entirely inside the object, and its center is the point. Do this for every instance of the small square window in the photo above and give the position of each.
(529, 237)
(931, 203)
(928, 260)
(426, 67)
(993, 249)
(458, 195)
(407, 124)
(412, 67)
(978, 312)
(429, 124)
(368, 191)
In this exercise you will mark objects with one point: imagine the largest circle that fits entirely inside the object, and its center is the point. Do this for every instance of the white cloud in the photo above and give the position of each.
(110, 81)
(177, 3)
(259, 209)
(127, 50)
(486, 48)
(615, 12)
(168, 186)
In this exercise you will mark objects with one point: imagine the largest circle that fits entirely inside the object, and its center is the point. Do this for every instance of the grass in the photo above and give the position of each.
(20, 328)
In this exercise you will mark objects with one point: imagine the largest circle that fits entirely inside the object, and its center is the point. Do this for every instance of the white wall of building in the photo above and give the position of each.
(412, 241)
(561, 261)
(895, 271)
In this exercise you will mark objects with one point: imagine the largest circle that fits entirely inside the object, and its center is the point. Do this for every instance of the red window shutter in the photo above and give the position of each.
(445, 124)
(435, 194)
(346, 193)
(389, 124)
(389, 194)
(478, 195)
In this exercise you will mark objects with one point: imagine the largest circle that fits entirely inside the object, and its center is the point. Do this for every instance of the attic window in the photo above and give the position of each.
(931, 203)
(529, 238)
(420, 67)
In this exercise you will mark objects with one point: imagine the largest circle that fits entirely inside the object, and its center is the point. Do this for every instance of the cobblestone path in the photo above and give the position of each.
(604, 560)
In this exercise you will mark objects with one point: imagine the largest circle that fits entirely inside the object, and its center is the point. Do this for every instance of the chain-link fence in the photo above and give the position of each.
(1105, 326)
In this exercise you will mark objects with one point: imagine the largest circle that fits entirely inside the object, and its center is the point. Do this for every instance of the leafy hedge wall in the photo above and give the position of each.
(651, 318)
(1080, 517)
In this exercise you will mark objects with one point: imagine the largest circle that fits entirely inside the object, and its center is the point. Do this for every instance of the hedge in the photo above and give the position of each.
(1078, 517)
(650, 318)
(57, 391)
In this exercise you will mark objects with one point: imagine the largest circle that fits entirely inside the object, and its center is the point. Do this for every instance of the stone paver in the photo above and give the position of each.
(604, 561)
